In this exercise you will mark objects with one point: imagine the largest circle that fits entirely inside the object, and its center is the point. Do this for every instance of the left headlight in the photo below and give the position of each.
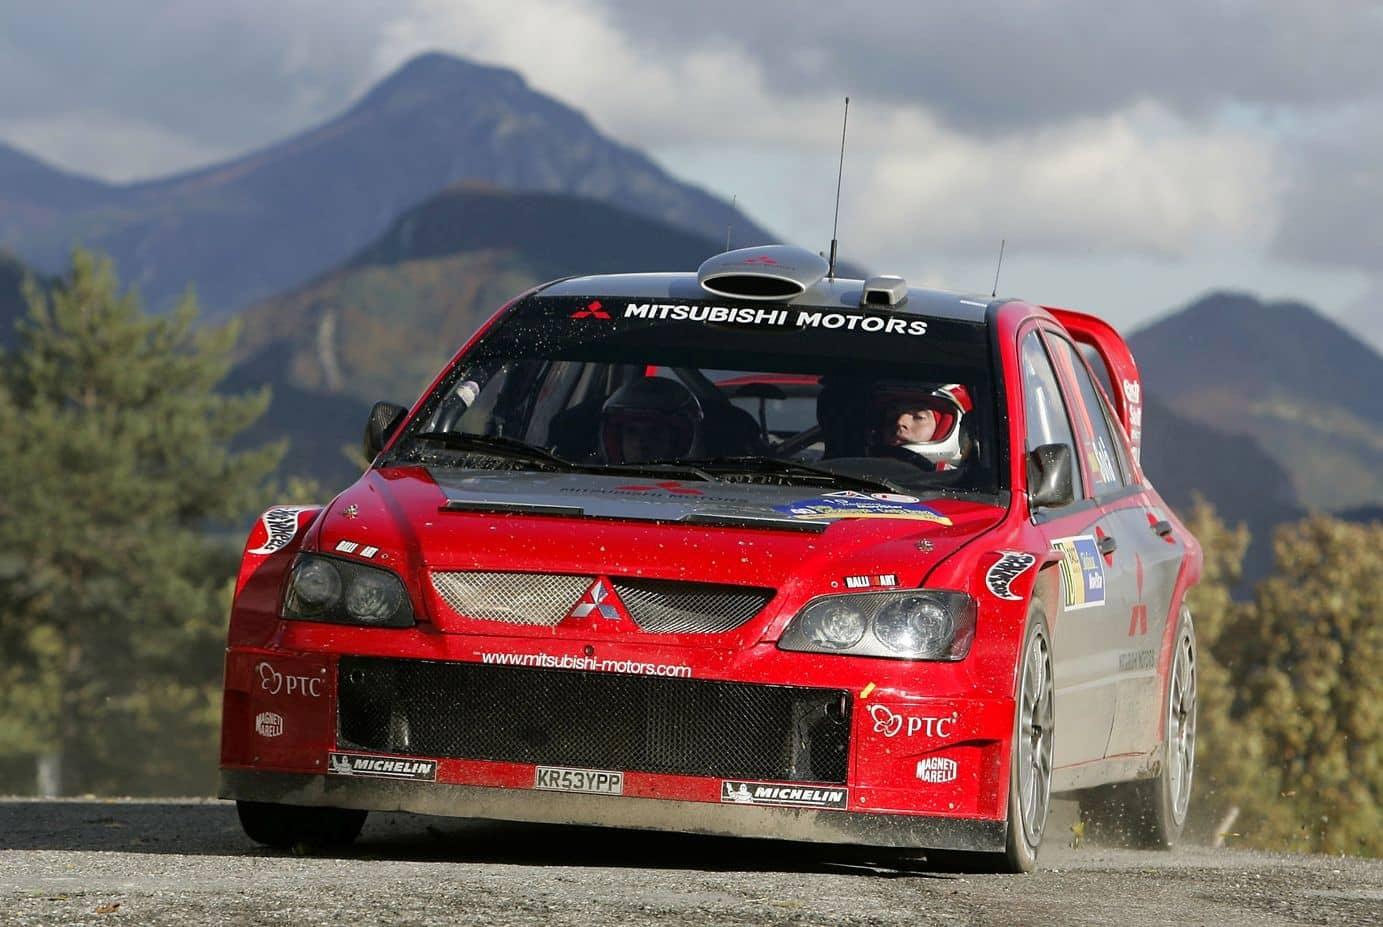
(917, 624)
(343, 592)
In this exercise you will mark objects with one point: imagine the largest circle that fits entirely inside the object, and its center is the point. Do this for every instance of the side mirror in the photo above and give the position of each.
(384, 420)
(1051, 481)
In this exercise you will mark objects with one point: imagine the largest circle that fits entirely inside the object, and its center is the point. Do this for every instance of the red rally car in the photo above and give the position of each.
(753, 551)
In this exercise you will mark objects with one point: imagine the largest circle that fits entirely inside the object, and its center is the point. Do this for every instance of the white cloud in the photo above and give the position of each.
(1138, 181)
(126, 148)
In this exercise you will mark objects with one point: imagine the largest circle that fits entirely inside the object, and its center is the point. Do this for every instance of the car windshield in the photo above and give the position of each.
(751, 394)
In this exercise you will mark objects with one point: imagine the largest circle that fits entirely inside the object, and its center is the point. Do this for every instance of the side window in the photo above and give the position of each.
(1046, 416)
(1100, 451)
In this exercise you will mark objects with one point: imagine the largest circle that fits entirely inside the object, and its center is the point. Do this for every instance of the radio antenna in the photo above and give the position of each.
(728, 226)
(995, 291)
(835, 224)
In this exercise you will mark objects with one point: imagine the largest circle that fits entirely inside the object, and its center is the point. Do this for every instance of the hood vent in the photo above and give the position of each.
(775, 272)
(884, 291)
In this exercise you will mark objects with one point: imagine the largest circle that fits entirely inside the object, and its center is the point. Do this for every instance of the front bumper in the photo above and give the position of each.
(800, 824)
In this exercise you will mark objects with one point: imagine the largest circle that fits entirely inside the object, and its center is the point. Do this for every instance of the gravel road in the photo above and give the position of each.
(186, 862)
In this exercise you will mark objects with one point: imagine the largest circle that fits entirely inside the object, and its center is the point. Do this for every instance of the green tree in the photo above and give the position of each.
(1228, 751)
(115, 450)
(1309, 652)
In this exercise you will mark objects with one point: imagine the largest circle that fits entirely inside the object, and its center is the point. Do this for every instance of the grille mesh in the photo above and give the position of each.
(594, 720)
(544, 599)
(516, 598)
(664, 607)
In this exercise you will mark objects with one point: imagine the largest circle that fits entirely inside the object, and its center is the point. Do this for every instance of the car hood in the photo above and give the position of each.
(415, 521)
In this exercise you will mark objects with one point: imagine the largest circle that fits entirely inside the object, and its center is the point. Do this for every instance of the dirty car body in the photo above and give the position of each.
(782, 630)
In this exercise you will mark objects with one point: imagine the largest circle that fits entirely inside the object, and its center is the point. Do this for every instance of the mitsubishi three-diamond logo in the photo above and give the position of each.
(598, 601)
(592, 310)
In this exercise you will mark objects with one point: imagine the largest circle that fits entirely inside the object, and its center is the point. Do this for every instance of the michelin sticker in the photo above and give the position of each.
(1006, 569)
(784, 796)
(1082, 571)
(857, 505)
(280, 526)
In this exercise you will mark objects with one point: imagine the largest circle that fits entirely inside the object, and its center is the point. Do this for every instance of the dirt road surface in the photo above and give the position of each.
(156, 863)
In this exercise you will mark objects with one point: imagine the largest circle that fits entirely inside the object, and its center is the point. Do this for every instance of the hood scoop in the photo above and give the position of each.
(769, 272)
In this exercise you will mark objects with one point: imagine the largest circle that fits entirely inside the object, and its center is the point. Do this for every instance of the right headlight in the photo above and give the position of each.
(916, 624)
(343, 592)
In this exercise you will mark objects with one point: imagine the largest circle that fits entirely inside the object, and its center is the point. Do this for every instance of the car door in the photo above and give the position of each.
(1159, 553)
(1083, 709)
(1137, 561)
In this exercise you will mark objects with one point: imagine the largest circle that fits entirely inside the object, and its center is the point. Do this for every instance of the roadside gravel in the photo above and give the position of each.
(186, 862)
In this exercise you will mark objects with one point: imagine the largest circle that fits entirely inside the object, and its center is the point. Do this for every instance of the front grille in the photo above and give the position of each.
(544, 599)
(517, 598)
(664, 607)
(594, 720)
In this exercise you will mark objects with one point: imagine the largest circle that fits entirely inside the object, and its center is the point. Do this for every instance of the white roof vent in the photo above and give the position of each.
(884, 291)
(776, 272)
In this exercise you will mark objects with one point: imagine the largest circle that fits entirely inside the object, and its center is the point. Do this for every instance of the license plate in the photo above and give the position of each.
(597, 781)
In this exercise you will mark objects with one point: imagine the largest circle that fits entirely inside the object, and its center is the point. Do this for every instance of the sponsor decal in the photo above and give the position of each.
(351, 511)
(595, 781)
(831, 508)
(775, 318)
(1137, 660)
(592, 310)
(549, 661)
(672, 486)
(1011, 565)
(1082, 571)
(1133, 391)
(598, 600)
(786, 796)
(891, 723)
(884, 580)
(276, 683)
(381, 767)
(281, 526)
(1138, 617)
(355, 547)
(900, 498)
(936, 769)
(268, 724)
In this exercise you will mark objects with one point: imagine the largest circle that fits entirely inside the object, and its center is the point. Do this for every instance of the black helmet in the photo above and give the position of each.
(651, 401)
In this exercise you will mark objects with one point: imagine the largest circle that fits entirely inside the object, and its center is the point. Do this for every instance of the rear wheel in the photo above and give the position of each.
(1030, 764)
(1151, 813)
(285, 826)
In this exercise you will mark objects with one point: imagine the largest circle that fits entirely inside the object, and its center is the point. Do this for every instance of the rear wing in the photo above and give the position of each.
(1100, 336)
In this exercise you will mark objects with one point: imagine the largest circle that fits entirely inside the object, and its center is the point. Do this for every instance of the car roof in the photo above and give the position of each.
(826, 293)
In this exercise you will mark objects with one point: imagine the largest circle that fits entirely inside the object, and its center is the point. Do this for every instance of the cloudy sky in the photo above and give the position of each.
(1133, 156)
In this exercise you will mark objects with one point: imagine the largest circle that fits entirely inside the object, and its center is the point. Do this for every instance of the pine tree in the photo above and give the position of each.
(115, 460)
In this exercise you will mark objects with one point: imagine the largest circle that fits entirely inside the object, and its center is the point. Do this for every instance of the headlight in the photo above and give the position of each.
(920, 624)
(343, 592)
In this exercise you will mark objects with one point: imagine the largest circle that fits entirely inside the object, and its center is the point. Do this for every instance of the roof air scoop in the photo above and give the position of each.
(776, 272)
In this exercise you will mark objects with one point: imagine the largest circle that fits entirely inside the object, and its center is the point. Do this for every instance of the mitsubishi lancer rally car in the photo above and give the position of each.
(752, 551)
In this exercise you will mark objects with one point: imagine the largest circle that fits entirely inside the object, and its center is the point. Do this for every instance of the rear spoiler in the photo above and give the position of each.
(1118, 360)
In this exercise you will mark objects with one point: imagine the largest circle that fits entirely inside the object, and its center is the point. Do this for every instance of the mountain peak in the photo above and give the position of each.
(434, 74)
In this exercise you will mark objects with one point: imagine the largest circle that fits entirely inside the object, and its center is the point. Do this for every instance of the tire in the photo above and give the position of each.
(285, 826)
(1030, 750)
(1150, 814)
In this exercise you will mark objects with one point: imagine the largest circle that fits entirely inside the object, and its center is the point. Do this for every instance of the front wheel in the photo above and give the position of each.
(1030, 763)
(285, 826)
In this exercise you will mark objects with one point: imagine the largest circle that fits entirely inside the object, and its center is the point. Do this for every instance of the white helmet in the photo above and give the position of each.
(950, 403)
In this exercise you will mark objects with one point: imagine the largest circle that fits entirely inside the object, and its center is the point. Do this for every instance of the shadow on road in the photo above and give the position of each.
(208, 828)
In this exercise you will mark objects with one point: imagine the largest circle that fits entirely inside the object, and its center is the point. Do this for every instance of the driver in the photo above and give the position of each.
(921, 425)
(651, 418)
